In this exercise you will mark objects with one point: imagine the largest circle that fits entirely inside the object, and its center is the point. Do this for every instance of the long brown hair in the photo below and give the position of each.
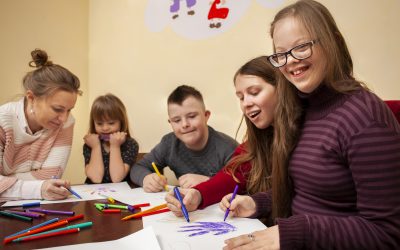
(109, 107)
(320, 24)
(260, 149)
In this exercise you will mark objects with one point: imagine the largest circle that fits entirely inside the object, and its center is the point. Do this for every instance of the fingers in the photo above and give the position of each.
(224, 203)
(152, 183)
(242, 241)
(173, 204)
(182, 181)
(54, 189)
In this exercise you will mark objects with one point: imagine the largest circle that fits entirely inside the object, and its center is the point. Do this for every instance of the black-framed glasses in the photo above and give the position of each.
(300, 52)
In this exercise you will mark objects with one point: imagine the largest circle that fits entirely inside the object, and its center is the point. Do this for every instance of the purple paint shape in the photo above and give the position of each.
(216, 228)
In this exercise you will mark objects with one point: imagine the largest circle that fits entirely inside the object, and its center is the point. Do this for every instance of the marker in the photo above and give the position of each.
(73, 192)
(46, 211)
(136, 216)
(179, 197)
(68, 231)
(32, 204)
(126, 207)
(80, 226)
(111, 200)
(69, 189)
(34, 227)
(105, 137)
(16, 216)
(111, 211)
(158, 173)
(145, 211)
(44, 228)
(26, 214)
(141, 205)
(233, 197)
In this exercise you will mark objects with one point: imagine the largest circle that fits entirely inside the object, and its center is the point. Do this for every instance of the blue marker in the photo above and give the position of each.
(69, 189)
(32, 204)
(233, 197)
(34, 227)
(179, 197)
(74, 193)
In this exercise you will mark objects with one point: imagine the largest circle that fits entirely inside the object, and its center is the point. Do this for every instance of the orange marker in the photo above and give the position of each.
(44, 228)
(145, 211)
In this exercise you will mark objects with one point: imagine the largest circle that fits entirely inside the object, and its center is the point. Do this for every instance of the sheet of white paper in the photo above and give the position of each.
(86, 191)
(138, 196)
(144, 239)
(205, 223)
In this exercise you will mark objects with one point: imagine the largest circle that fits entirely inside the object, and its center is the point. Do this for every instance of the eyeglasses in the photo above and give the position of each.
(300, 52)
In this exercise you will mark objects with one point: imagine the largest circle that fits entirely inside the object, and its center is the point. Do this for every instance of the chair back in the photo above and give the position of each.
(394, 105)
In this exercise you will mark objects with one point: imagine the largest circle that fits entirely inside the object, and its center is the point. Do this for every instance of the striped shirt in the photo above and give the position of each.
(26, 158)
(346, 176)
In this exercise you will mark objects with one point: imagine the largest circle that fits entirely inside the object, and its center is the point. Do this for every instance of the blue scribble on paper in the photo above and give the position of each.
(216, 228)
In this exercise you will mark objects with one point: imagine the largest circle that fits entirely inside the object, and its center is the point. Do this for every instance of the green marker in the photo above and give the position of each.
(16, 216)
(112, 206)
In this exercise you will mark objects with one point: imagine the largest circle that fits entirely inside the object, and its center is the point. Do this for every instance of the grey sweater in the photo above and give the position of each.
(173, 153)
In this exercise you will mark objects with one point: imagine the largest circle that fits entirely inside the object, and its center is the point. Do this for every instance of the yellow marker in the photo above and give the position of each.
(158, 173)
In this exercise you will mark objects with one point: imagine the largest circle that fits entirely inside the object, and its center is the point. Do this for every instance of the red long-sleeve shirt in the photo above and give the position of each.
(221, 184)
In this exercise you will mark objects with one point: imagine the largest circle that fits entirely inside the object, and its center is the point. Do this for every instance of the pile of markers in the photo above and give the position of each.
(49, 228)
(114, 208)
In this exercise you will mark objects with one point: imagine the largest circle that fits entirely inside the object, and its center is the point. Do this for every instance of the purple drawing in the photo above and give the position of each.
(216, 228)
(176, 5)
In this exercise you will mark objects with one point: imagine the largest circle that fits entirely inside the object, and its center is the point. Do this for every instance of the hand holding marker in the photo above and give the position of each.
(69, 189)
(158, 173)
(179, 197)
(233, 197)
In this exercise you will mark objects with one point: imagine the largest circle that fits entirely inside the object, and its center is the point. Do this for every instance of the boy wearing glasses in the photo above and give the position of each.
(194, 151)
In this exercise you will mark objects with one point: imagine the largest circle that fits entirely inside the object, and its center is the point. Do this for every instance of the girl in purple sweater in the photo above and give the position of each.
(344, 174)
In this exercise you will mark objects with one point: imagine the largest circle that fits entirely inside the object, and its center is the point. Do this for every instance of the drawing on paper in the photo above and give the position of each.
(100, 190)
(216, 228)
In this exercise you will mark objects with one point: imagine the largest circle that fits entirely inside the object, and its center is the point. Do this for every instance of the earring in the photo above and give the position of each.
(32, 112)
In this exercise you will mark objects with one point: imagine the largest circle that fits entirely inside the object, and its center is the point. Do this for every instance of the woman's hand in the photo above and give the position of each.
(264, 239)
(191, 198)
(241, 206)
(55, 189)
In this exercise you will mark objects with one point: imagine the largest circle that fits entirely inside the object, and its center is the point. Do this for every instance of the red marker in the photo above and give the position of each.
(44, 228)
(111, 211)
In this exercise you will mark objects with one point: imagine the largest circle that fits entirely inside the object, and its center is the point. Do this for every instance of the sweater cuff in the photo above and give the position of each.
(293, 232)
(263, 204)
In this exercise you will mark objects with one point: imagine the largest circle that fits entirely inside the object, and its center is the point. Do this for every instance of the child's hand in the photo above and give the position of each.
(191, 198)
(53, 189)
(153, 183)
(191, 180)
(241, 206)
(92, 140)
(117, 138)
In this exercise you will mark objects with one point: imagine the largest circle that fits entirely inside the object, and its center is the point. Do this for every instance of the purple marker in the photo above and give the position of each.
(105, 137)
(27, 214)
(233, 197)
(45, 211)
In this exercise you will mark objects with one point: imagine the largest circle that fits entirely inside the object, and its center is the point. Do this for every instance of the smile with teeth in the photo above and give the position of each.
(253, 113)
(299, 71)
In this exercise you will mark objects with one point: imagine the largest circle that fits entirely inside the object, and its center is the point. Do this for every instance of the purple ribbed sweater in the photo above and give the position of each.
(346, 176)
